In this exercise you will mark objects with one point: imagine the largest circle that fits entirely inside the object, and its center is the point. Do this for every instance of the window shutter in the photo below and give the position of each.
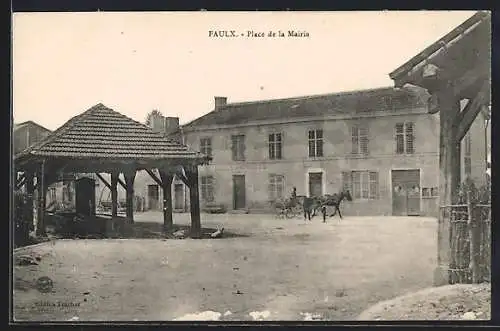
(234, 147)
(270, 187)
(365, 185)
(243, 147)
(271, 149)
(410, 137)
(356, 184)
(363, 140)
(281, 146)
(374, 187)
(399, 138)
(355, 140)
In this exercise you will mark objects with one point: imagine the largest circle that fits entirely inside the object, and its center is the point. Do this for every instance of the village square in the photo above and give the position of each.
(365, 203)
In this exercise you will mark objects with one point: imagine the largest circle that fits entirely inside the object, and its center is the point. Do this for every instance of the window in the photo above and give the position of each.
(52, 194)
(430, 192)
(67, 193)
(206, 146)
(359, 140)
(238, 147)
(467, 155)
(207, 188)
(276, 186)
(361, 184)
(315, 143)
(275, 146)
(405, 138)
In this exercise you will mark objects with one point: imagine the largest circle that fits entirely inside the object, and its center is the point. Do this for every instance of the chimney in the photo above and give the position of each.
(171, 124)
(157, 123)
(220, 102)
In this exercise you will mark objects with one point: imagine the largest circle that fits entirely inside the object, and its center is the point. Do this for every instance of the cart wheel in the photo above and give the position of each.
(289, 213)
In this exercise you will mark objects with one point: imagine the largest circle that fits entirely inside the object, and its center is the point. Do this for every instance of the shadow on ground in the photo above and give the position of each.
(73, 226)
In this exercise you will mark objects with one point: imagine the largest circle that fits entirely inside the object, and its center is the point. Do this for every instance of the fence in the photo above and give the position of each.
(470, 240)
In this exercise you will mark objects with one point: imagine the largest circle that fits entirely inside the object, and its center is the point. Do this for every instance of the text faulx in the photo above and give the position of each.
(256, 34)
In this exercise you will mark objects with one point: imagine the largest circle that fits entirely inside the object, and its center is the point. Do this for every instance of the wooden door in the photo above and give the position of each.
(315, 184)
(239, 199)
(406, 192)
(179, 196)
(153, 197)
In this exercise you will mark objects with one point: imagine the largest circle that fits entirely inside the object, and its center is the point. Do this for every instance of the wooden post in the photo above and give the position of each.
(166, 180)
(40, 229)
(30, 190)
(129, 182)
(449, 180)
(114, 194)
(192, 176)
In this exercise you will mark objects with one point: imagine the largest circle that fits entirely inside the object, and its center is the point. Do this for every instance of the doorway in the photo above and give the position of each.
(406, 192)
(153, 197)
(85, 196)
(179, 196)
(239, 199)
(315, 184)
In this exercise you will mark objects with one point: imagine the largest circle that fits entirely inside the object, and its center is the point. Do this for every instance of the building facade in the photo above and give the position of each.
(381, 144)
(26, 134)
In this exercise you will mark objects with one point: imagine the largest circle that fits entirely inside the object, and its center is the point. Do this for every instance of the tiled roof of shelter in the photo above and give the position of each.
(101, 132)
(355, 102)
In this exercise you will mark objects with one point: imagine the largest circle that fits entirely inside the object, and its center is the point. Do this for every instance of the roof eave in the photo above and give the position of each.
(407, 72)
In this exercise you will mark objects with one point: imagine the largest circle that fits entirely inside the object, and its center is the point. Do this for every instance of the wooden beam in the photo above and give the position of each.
(166, 180)
(108, 185)
(469, 113)
(114, 194)
(156, 179)
(129, 180)
(122, 183)
(184, 179)
(40, 229)
(192, 177)
(21, 181)
(470, 78)
(449, 170)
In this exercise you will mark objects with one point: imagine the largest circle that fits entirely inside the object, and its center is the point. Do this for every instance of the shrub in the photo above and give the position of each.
(479, 195)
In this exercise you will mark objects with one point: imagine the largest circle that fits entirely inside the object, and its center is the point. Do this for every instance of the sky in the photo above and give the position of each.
(64, 63)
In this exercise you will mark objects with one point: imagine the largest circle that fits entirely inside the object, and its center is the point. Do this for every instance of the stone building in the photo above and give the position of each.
(381, 144)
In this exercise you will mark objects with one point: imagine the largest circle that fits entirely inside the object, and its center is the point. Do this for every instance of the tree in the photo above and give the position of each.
(150, 116)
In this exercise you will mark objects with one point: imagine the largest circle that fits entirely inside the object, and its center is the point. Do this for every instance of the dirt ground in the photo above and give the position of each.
(282, 270)
(451, 302)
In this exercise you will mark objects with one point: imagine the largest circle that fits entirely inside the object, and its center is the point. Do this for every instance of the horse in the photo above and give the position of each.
(334, 200)
(310, 206)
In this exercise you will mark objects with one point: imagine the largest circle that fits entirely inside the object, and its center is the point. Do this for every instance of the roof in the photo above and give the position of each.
(353, 102)
(102, 133)
(460, 32)
(23, 124)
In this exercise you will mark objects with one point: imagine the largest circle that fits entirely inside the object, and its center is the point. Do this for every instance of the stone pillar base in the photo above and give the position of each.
(441, 276)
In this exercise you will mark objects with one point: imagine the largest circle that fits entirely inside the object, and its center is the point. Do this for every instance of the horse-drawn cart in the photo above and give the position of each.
(285, 208)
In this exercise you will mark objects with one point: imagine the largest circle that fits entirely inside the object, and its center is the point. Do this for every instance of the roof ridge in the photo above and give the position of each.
(75, 120)
(61, 130)
(304, 97)
(161, 134)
